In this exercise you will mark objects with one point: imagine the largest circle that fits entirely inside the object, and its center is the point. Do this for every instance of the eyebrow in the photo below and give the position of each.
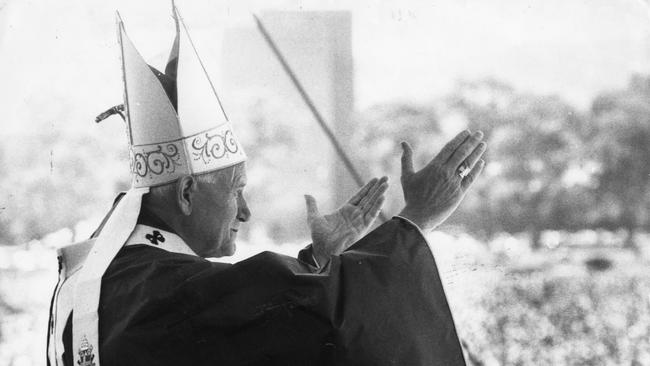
(239, 181)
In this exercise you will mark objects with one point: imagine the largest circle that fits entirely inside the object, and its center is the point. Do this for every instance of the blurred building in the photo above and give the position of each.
(317, 45)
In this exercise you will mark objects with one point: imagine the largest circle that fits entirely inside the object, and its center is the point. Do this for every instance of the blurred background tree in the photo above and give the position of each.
(534, 141)
(54, 187)
(549, 167)
(377, 139)
(620, 144)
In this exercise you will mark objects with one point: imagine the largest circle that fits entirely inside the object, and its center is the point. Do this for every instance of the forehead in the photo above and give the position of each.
(224, 180)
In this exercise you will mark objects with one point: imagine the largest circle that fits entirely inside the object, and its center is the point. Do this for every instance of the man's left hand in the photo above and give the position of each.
(333, 233)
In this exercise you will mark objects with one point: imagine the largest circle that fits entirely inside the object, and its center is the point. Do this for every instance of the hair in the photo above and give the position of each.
(166, 193)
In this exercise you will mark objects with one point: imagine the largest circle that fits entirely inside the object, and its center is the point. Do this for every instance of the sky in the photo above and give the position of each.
(61, 57)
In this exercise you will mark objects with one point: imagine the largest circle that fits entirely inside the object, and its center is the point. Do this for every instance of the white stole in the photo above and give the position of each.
(116, 231)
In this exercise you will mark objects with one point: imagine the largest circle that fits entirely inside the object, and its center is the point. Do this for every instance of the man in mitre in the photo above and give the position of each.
(141, 293)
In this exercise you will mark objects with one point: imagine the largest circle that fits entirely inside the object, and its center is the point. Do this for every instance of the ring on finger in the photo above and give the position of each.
(463, 170)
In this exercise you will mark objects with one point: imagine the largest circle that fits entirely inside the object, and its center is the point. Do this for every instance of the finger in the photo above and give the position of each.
(464, 150)
(380, 185)
(362, 192)
(369, 196)
(469, 179)
(475, 155)
(376, 194)
(407, 159)
(312, 207)
(446, 152)
(374, 210)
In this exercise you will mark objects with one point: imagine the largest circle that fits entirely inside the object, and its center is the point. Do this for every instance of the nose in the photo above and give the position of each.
(243, 212)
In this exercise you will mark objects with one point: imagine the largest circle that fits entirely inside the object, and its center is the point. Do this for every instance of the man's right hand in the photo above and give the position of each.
(433, 193)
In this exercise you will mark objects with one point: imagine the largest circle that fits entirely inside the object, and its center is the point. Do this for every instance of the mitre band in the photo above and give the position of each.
(160, 163)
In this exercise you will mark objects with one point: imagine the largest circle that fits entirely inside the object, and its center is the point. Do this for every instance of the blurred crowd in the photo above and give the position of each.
(512, 305)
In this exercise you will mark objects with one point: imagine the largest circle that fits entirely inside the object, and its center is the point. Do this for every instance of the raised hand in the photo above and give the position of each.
(333, 233)
(434, 192)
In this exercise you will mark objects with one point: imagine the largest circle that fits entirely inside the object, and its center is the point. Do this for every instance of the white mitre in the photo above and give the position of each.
(176, 126)
(166, 144)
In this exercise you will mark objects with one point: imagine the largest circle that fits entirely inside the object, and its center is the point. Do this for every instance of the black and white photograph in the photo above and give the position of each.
(302, 182)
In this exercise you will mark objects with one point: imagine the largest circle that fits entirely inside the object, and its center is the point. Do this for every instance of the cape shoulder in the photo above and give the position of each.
(72, 257)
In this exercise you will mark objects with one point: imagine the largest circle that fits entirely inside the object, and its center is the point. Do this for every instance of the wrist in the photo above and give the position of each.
(412, 216)
(424, 222)
(321, 260)
(320, 256)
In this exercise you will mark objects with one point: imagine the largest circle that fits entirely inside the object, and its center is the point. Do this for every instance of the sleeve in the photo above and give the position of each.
(395, 309)
(307, 256)
(381, 302)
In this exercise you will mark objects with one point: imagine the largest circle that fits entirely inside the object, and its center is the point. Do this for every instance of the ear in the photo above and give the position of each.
(186, 190)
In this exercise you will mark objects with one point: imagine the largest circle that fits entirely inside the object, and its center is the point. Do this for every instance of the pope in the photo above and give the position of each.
(140, 291)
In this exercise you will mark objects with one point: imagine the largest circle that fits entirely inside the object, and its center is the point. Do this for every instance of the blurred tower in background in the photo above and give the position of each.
(317, 45)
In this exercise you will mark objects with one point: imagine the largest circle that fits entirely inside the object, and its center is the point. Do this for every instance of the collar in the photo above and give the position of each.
(147, 217)
(158, 238)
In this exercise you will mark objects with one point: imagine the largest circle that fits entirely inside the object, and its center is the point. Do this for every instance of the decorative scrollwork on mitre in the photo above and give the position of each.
(163, 159)
(163, 162)
(208, 147)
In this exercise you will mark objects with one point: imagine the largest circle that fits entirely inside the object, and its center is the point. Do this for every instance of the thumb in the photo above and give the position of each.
(407, 159)
(312, 207)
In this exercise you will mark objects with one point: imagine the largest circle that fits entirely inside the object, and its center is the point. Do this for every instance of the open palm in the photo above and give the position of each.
(333, 233)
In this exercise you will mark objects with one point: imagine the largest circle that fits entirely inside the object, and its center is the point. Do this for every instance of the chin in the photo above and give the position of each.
(226, 250)
(229, 250)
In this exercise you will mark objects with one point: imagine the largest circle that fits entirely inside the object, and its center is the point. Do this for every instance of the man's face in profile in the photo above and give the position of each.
(218, 209)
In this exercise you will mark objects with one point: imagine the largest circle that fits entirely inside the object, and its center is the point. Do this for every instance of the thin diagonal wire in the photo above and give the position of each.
(305, 97)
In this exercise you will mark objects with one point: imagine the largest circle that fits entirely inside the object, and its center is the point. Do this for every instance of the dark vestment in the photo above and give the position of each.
(381, 302)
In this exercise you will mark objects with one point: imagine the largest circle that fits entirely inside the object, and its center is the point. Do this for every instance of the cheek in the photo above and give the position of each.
(227, 213)
(232, 207)
(217, 214)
